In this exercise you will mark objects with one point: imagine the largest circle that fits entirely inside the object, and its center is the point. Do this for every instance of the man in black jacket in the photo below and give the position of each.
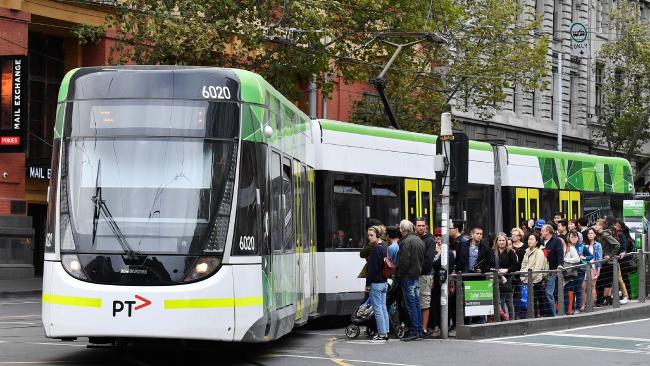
(553, 246)
(426, 276)
(409, 267)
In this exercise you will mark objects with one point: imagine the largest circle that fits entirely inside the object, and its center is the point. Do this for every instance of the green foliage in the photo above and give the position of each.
(625, 83)
(285, 41)
(288, 42)
(490, 48)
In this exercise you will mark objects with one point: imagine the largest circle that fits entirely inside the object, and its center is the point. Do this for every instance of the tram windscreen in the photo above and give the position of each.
(162, 193)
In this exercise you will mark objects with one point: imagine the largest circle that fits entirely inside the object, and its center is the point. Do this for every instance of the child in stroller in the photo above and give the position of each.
(364, 316)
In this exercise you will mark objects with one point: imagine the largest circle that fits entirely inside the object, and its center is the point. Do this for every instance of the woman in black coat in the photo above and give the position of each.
(508, 263)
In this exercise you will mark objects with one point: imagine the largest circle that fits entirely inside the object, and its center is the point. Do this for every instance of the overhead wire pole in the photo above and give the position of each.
(446, 135)
(380, 81)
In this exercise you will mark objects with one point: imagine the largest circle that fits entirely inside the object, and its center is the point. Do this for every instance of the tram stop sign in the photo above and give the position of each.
(579, 40)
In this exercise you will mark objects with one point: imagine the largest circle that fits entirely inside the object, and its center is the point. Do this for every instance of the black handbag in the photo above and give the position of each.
(571, 273)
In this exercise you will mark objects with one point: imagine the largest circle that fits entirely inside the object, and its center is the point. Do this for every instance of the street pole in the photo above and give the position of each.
(446, 135)
(558, 108)
(313, 92)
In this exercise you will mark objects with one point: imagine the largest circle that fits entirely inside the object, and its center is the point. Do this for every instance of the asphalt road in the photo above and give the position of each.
(323, 343)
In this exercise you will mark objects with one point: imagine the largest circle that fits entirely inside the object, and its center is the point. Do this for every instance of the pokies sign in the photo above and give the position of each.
(13, 103)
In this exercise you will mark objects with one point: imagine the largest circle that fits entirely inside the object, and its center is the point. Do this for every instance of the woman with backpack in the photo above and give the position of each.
(377, 283)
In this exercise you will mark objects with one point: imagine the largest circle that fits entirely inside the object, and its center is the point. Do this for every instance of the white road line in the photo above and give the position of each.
(602, 325)
(339, 359)
(45, 343)
(322, 334)
(19, 303)
(556, 332)
(17, 323)
(560, 346)
(19, 316)
(595, 336)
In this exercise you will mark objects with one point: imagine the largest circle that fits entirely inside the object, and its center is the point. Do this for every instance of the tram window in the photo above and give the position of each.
(287, 195)
(549, 203)
(305, 207)
(276, 202)
(533, 209)
(479, 206)
(412, 197)
(347, 215)
(384, 201)
(575, 209)
(522, 210)
(594, 206)
(616, 205)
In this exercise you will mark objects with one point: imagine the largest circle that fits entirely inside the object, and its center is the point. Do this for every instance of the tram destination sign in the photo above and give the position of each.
(13, 103)
(579, 40)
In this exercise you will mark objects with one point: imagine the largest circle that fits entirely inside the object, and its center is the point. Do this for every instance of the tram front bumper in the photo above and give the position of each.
(202, 310)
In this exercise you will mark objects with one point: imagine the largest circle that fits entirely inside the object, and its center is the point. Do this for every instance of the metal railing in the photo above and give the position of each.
(631, 263)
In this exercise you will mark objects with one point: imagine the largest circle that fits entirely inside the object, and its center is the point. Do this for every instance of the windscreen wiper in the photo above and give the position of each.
(102, 208)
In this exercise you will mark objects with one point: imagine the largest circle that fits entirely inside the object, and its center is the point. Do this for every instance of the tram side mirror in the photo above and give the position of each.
(268, 131)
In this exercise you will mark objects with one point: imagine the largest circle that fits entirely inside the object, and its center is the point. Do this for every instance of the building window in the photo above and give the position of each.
(557, 19)
(533, 104)
(539, 7)
(46, 71)
(598, 99)
(573, 97)
(553, 97)
(599, 15)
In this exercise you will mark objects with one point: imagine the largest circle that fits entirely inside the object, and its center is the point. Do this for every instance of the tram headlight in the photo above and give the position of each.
(72, 265)
(204, 267)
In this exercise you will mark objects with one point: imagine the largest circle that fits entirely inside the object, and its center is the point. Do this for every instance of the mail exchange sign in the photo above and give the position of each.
(13, 103)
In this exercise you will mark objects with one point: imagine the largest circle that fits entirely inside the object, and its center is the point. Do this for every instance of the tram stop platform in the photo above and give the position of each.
(633, 310)
(21, 287)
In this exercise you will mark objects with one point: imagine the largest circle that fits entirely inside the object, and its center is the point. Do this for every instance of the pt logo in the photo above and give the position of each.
(118, 306)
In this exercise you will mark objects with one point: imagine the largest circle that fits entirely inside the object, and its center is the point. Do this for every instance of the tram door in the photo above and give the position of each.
(418, 197)
(527, 204)
(570, 204)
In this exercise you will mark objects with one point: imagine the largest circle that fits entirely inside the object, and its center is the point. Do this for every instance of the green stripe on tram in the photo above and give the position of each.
(89, 302)
(213, 303)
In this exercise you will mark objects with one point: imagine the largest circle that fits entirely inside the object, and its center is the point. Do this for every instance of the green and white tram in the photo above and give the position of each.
(199, 203)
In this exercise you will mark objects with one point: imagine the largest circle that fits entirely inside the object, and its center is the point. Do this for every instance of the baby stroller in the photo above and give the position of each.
(365, 316)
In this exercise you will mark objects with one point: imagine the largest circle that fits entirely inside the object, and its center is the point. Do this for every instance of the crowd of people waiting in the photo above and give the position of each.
(415, 255)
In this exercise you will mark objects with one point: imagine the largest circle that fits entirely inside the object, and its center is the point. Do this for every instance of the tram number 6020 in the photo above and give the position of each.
(215, 92)
(247, 243)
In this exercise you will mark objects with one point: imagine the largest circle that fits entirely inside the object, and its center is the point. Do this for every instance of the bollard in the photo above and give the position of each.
(615, 299)
(588, 289)
(496, 298)
(642, 274)
(560, 292)
(460, 301)
(530, 314)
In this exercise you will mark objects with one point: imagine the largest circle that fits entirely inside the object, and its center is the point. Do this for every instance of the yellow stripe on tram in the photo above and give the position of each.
(73, 300)
(213, 303)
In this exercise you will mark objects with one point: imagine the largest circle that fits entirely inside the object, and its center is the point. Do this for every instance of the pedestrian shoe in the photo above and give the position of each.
(412, 337)
(623, 301)
(608, 301)
(576, 312)
(379, 339)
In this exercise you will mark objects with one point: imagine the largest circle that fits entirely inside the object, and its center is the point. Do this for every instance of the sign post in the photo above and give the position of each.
(579, 40)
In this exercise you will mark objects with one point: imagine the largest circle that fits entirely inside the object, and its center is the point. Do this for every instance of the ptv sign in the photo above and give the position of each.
(118, 305)
(579, 41)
